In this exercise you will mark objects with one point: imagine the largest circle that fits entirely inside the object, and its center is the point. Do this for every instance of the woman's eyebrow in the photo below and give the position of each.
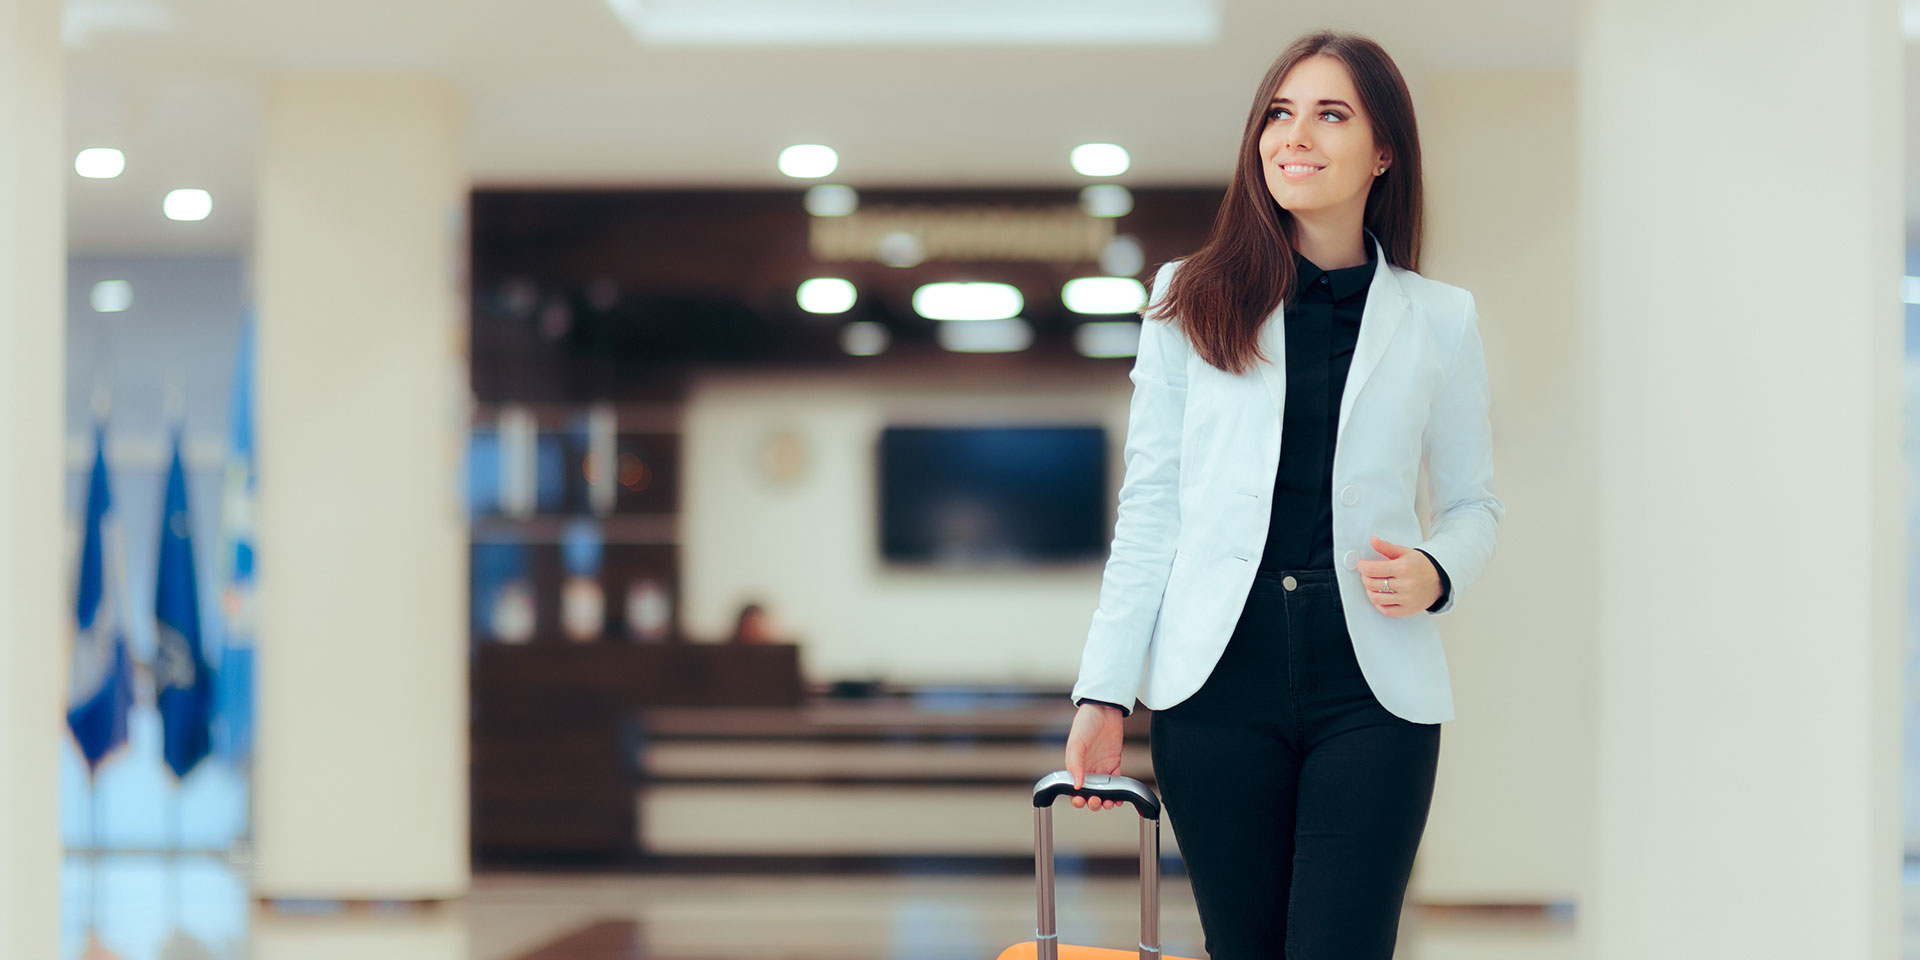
(1279, 100)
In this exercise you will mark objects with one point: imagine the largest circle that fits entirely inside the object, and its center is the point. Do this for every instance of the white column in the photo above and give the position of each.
(33, 634)
(1741, 238)
(361, 784)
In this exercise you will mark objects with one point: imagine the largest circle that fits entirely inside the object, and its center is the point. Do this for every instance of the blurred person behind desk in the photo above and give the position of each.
(755, 625)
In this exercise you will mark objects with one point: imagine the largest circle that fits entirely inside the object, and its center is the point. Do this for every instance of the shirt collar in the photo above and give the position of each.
(1346, 281)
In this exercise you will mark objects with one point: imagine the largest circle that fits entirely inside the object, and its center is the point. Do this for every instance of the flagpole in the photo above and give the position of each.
(173, 868)
(93, 849)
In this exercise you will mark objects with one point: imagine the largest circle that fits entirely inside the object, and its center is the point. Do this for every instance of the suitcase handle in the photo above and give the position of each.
(1106, 787)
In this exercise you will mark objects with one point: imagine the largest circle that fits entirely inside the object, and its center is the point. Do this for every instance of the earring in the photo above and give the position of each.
(1380, 171)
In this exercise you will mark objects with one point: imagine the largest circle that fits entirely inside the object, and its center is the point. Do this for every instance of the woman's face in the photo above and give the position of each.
(1315, 119)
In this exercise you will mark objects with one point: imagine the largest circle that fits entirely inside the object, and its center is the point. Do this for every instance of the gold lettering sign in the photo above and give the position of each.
(1060, 233)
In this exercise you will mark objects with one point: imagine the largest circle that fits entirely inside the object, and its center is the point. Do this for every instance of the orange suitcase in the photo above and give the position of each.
(1046, 944)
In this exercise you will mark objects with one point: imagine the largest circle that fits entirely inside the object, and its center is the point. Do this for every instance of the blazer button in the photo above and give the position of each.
(1352, 559)
(1350, 495)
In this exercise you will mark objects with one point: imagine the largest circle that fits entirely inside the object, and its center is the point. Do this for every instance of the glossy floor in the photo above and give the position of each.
(197, 908)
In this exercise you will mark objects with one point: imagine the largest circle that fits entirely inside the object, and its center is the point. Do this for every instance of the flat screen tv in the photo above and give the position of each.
(993, 495)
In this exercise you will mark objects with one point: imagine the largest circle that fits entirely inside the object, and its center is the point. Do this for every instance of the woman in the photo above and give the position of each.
(1270, 601)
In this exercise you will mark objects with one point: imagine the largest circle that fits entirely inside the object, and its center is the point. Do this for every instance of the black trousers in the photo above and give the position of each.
(1296, 798)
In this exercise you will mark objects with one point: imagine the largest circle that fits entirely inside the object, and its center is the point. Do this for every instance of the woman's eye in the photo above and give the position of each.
(1274, 114)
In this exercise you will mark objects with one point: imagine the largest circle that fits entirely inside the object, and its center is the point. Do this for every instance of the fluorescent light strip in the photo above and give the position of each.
(1104, 295)
(1156, 23)
(826, 295)
(968, 300)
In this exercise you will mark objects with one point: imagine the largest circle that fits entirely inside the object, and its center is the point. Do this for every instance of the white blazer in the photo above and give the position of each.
(1201, 451)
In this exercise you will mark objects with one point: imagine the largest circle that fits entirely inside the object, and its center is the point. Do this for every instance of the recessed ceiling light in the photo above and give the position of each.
(864, 338)
(832, 200)
(1122, 257)
(1099, 159)
(900, 248)
(986, 336)
(979, 300)
(1103, 295)
(808, 160)
(1107, 338)
(826, 295)
(111, 296)
(187, 204)
(100, 163)
(1106, 200)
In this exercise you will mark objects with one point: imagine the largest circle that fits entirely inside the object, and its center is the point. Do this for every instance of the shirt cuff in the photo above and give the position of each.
(1446, 585)
(1083, 701)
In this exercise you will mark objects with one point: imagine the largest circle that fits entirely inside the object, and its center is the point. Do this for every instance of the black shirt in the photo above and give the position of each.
(1322, 324)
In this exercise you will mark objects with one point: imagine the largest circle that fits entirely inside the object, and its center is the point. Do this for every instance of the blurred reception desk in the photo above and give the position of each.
(940, 773)
(552, 728)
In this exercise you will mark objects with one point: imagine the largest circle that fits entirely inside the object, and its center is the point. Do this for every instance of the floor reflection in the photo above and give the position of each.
(152, 907)
(402, 932)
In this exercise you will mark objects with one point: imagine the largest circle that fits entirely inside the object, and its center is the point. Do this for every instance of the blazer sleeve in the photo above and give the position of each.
(1147, 524)
(1458, 445)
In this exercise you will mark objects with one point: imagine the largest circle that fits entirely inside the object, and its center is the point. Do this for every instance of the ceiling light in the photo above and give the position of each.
(864, 338)
(100, 163)
(1106, 200)
(967, 301)
(187, 204)
(1099, 159)
(1107, 338)
(995, 23)
(986, 336)
(900, 248)
(1122, 257)
(832, 200)
(808, 160)
(826, 295)
(111, 296)
(1103, 295)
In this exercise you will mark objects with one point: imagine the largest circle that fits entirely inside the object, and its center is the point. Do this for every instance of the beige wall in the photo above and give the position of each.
(361, 788)
(33, 628)
(1510, 808)
(809, 549)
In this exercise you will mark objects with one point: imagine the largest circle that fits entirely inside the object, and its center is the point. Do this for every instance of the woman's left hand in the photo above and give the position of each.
(1416, 584)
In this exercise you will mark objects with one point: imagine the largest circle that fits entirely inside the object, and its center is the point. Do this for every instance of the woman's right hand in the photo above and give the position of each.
(1093, 746)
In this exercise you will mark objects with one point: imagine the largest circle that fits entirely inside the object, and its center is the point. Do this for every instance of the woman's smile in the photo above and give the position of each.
(1299, 171)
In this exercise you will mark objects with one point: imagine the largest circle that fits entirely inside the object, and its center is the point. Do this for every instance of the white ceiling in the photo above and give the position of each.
(563, 92)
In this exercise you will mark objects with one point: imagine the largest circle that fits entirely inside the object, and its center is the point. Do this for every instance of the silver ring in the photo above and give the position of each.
(1386, 586)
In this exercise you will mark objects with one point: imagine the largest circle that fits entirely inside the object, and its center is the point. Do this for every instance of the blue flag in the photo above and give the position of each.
(182, 684)
(100, 682)
(233, 723)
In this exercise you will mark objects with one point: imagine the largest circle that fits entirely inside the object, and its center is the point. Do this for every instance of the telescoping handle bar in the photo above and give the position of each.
(1104, 787)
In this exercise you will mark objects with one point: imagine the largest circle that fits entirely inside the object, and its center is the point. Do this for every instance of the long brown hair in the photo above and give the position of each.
(1226, 289)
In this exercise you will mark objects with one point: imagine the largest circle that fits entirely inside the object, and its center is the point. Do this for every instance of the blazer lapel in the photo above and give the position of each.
(1379, 321)
(1273, 346)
